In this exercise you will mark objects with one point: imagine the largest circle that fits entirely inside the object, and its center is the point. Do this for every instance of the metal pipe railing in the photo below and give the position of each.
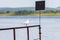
(14, 30)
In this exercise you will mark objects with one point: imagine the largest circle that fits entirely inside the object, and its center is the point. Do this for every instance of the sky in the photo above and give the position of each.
(28, 3)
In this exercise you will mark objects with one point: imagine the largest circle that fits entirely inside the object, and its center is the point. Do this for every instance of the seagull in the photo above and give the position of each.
(26, 22)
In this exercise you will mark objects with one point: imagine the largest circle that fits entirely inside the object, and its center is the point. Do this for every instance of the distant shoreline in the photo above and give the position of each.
(31, 13)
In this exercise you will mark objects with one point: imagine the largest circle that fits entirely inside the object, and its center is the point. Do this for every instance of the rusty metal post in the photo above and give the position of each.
(39, 32)
(14, 34)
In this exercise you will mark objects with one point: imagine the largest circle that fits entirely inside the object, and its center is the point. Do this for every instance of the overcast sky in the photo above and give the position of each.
(27, 3)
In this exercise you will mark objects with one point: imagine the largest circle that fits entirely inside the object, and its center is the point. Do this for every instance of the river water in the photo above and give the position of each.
(18, 21)
(50, 27)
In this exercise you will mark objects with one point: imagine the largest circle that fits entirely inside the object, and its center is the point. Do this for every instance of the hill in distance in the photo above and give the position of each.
(28, 9)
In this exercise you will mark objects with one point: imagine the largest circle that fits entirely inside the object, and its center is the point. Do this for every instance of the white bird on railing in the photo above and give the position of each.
(26, 22)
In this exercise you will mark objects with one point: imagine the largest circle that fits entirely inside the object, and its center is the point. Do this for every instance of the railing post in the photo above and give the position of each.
(14, 34)
(39, 32)
(27, 33)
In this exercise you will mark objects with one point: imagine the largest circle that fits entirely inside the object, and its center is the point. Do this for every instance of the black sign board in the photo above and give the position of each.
(40, 5)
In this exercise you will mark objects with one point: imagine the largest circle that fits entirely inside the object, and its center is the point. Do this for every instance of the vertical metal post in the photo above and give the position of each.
(14, 34)
(27, 32)
(39, 32)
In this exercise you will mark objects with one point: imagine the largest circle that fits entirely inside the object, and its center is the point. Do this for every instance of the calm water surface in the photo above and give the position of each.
(50, 27)
(14, 21)
(18, 21)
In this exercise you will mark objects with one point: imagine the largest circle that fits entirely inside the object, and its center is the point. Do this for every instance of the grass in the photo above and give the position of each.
(50, 14)
(20, 14)
(29, 13)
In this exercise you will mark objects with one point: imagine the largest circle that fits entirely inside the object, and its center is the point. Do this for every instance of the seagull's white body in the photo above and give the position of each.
(26, 22)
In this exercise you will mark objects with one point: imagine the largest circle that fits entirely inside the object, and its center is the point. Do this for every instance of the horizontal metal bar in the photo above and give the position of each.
(19, 27)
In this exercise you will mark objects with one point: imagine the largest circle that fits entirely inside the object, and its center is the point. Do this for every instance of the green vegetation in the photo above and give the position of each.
(50, 13)
(30, 13)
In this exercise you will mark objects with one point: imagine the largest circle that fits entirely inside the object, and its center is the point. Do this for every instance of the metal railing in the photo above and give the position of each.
(27, 27)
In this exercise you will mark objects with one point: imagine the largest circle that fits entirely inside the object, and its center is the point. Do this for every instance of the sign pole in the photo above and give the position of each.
(39, 32)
